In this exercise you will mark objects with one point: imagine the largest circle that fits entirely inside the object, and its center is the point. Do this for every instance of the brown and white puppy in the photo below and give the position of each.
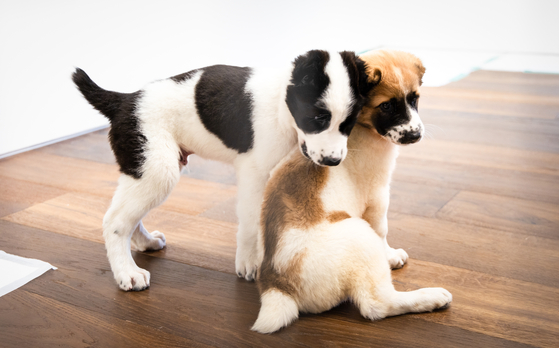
(324, 228)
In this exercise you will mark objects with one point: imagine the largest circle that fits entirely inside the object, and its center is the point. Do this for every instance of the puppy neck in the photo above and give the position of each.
(370, 156)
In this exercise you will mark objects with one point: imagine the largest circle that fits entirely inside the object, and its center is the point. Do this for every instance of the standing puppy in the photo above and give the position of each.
(249, 117)
(324, 228)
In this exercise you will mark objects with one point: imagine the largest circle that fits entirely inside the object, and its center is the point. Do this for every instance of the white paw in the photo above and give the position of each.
(247, 263)
(397, 258)
(434, 298)
(155, 242)
(135, 279)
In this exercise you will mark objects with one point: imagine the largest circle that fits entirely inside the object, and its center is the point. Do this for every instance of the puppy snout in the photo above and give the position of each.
(330, 161)
(410, 137)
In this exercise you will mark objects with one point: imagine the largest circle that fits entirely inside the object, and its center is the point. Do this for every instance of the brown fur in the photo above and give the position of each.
(292, 201)
(336, 216)
(389, 63)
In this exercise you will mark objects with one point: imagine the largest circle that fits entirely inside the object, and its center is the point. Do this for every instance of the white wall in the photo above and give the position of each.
(124, 44)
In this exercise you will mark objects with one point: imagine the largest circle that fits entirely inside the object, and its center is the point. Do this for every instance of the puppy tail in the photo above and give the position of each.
(107, 102)
(278, 310)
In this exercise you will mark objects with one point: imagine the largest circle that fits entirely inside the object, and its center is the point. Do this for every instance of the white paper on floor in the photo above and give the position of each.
(445, 66)
(16, 271)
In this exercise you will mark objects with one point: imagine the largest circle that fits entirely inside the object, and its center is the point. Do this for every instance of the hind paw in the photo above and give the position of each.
(155, 241)
(397, 258)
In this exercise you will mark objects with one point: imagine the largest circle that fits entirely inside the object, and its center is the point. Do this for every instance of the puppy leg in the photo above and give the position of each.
(397, 258)
(142, 240)
(133, 199)
(376, 297)
(389, 302)
(378, 220)
(250, 181)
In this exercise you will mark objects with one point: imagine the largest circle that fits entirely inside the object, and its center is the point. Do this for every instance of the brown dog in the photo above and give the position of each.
(324, 228)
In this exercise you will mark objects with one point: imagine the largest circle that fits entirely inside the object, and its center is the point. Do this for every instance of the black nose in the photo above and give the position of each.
(330, 161)
(410, 137)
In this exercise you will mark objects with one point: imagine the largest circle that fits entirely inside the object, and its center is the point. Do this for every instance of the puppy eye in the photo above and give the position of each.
(386, 106)
(322, 118)
(413, 102)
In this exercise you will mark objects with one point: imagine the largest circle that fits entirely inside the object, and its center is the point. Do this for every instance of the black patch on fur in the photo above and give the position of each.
(360, 88)
(413, 100)
(184, 76)
(308, 83)
(127, 142)
(305, 150)
(396, 115)
(225, 108)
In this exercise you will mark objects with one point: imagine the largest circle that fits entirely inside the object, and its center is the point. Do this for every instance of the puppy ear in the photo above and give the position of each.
(373, 77)
(421, 71)
(357, 70)
(308, 69)
(419, 67)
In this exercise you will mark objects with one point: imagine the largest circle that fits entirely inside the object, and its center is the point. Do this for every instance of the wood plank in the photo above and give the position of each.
(505, 131)
(503, 182)
(194, 196)
(225, 211)
(191, 239)
(91, 147)
(483, 155)
(52, 323)
(417, 199)
(496, 252)
(538, 84)
(204, 169)
(530, 218)
(490, 102)
(502, 307)
(17, 195)
(69, 174)
(217, 309)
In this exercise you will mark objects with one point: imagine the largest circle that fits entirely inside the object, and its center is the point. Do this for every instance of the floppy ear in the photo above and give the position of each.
(308, 68)
(373, 78)
(420, 69)
(360, 81)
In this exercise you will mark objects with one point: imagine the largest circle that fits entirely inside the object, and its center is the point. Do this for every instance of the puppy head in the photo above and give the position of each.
(326, 94)
(393, 106)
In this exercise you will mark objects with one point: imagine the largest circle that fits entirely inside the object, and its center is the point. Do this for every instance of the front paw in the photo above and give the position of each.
(133, 279)
(397, 258)
(247, 263)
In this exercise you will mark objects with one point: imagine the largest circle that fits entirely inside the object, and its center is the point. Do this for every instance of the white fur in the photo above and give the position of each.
(279, 310)
(350, 258)
(169, 120)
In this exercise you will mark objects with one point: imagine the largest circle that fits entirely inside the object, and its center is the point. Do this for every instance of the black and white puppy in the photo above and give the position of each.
(248, 117)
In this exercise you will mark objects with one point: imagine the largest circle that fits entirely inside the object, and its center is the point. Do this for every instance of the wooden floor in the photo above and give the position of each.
(476, 206)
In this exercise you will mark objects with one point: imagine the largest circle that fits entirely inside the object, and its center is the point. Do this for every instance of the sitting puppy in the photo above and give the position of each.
(249, 117)
(324, 228)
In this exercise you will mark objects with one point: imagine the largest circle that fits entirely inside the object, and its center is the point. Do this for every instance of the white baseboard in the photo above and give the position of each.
(50, 142)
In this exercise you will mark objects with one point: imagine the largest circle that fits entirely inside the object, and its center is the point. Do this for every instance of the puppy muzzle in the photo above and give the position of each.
(323, 161)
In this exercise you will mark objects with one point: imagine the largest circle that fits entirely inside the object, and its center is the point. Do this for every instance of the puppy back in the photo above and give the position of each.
(291, 200)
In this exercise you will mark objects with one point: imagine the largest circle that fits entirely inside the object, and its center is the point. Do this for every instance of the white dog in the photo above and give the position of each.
(324, 228)
(249, 117)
